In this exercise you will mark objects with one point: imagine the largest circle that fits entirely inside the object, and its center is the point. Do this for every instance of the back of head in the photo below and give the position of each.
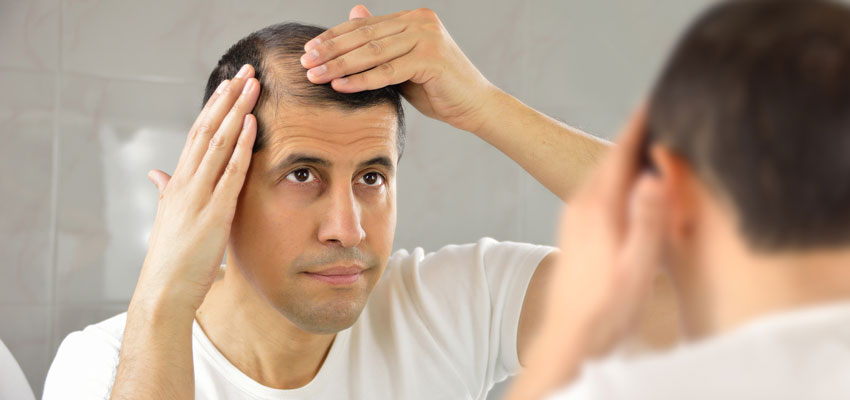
(756, 98)
(275, 53)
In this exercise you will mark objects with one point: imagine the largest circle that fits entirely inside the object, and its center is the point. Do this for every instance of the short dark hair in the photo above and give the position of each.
(275, 53)
(756, 97)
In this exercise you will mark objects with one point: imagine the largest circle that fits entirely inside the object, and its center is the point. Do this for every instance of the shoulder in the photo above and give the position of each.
(484, 252)
(86, 361)
(758, 361)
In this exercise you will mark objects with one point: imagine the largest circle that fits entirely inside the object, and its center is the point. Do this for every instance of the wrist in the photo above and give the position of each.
(159, 303)
(496, 107)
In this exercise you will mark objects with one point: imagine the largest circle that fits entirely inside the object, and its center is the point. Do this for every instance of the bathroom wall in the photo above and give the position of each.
(96, 93)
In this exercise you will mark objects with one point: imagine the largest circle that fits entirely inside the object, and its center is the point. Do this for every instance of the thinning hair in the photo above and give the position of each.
(275, 53)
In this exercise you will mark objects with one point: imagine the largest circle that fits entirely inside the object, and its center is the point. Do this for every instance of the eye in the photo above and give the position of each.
(302, 175)
(372, 179)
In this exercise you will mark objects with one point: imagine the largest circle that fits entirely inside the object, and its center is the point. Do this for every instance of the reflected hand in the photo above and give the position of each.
(611, 241)
(196, 206)
(410, 47)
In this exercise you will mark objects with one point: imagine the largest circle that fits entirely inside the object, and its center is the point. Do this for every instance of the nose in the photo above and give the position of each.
(341, 225)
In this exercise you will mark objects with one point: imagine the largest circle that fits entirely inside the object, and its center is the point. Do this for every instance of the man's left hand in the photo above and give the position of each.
(409, 47)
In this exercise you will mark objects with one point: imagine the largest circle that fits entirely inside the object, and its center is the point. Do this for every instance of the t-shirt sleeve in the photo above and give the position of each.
(471, 297)
(84, 367)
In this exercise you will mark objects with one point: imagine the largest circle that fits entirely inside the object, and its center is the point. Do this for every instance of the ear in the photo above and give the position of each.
(679, 185)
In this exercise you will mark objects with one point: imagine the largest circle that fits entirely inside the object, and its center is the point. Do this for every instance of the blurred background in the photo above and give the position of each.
(96, 93)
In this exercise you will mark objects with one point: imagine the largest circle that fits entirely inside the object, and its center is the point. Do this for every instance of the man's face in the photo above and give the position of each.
(317, 207)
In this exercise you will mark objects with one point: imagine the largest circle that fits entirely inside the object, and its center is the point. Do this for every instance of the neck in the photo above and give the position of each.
(256, 338)
(744, 285)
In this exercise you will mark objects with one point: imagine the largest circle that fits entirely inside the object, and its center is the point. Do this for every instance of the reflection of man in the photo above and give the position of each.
(750, 207)
(309, 243)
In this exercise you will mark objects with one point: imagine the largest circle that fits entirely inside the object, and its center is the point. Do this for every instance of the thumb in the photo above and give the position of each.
(159, 179)
(359, 11)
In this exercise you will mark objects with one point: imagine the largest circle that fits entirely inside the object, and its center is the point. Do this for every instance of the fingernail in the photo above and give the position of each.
(311, 44)
(311, 55)
(318, 71)
(248, 86)
(221, 86)
(242, 71)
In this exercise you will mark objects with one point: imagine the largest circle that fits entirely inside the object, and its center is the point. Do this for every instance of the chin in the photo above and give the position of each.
(328, 317)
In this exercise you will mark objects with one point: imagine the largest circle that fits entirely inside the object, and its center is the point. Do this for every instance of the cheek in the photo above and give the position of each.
(378, 219)
(269, 233)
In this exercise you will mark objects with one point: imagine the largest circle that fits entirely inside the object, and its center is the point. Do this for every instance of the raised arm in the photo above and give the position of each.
(413, 47)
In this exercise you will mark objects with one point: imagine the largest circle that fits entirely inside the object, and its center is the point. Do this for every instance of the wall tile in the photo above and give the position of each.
(26, 169)
(111, 134)
(453, 188)
(26, 332)
(150, 40)
(29, 34)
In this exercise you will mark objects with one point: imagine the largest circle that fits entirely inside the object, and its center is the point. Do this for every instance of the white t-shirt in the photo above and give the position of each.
(437, 326)
(801, 354)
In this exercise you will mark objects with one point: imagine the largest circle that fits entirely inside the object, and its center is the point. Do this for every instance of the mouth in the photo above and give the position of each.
(339, 275)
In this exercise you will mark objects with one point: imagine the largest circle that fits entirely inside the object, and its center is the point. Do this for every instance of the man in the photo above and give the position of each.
(749, 206)
(301, 191)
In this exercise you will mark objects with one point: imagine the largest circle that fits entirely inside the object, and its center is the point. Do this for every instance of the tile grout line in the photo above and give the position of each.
(54, 193)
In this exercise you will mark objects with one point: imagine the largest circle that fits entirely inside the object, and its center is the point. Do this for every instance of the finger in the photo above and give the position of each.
(346, 27)
(373, 54)
(159, 179)
(190, 136)
(359, 11)
(330, 57)
(626, 153)
(643, 247)
(228, 187)
(614, 180)
(389, 73)
(221, 145)
(211, 122)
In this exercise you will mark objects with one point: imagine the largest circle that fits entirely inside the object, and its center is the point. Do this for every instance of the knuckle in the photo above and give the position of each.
(426, 13)
(386, 69)
(330, 44)
(217, 142)
(204, 128)
(367, 31)
(231, 169)
(338, 64)
(375, 47)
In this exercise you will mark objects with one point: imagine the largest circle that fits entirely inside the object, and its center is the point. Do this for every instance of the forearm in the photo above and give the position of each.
(555, 362)
(156, 354)
(555, 154)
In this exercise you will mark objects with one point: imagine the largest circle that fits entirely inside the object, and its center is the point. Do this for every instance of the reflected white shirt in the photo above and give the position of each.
(441, 325)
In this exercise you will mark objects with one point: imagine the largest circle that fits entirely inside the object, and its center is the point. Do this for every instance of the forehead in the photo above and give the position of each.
(330, 131)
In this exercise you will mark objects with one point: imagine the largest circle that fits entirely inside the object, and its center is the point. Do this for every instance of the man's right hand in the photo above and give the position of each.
(196, 205)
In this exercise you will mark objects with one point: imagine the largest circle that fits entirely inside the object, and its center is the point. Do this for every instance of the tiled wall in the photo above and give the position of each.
(94, 93)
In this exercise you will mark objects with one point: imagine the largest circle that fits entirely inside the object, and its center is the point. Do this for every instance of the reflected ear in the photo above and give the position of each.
(678, 181)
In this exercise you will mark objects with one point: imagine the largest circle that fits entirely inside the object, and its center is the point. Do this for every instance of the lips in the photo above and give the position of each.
(341, 275)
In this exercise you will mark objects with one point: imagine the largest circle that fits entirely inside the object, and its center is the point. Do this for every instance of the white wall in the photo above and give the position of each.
(95, 93)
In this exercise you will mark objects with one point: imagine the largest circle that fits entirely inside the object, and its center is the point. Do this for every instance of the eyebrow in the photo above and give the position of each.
(301, 158)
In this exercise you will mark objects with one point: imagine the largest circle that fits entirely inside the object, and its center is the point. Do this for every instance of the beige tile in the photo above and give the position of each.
(150, 40)
(111, 134)
(26, 332)
(453, 188)
(26, 173)
(29, 34)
